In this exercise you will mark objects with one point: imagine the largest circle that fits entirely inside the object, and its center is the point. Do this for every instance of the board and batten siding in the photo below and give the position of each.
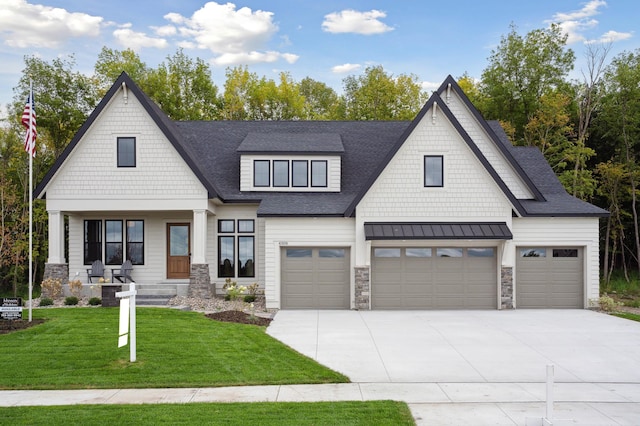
(333, 173)
(487, 147)
(90, 180)
(562, 232)
(301, 232)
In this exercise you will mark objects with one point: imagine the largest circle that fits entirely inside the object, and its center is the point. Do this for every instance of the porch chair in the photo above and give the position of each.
(96, 270)
(124, 273)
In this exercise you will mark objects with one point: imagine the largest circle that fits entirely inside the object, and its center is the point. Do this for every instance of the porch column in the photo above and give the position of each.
(199, 279)
(56, 237)
(199, 253)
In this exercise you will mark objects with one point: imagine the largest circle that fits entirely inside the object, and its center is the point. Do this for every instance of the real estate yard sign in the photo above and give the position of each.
(11, 308)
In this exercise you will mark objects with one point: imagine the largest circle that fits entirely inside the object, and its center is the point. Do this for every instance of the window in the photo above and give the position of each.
(386, 252)
(135, 241)
(433, 171)
(480, 252)
(565, 252)
(281, 173)
(300, 173)
(126, 152)
(418, 252)
(319, 174)
(533, 252)
(299, 252)
(92, 241)
(331, 253)
(449, 252)
(113, 242)
(245, 243)
(261, 173)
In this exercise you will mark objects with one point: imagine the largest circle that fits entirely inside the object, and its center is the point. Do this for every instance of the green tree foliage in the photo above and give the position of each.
(183, 88)
(111, 63)
(321, 101)
(377, 95)
(521, 70)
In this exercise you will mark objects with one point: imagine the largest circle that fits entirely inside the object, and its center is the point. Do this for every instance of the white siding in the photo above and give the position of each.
(566, 232)
(487, 147)
(333, 173)
(90, 179)
(301, 232)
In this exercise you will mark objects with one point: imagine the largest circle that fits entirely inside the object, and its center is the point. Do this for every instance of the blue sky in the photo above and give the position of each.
(326, 40)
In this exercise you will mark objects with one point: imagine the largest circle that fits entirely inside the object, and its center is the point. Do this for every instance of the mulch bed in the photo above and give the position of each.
(239, 317)
(7, 326)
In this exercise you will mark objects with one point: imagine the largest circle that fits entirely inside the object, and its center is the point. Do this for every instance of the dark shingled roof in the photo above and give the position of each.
(212, 150)
(292, 143)
(437, 231)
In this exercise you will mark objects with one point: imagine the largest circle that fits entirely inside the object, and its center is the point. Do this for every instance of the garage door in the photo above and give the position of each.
(315, 278)
(549, 277)
(434, 278)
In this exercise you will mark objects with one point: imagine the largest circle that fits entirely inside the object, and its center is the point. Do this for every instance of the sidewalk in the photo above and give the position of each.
(430, 403)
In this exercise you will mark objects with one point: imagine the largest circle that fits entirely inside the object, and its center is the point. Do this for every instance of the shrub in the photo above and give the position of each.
(75, 287)
(95, 301)
(607, 303)
(250, 298)
(71, 300)
(45, 301)
(51, 287)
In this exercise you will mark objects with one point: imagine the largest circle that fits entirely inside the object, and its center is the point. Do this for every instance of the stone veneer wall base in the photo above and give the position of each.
(362, 290)
(200, 282)
(506, 287)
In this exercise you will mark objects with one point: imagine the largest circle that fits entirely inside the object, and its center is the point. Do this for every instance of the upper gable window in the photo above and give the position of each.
(319, 174)
(127, 152)
(261, 173)
(433, 171)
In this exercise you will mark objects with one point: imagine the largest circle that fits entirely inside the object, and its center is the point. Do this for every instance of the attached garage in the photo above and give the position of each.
(315, 278)
(549, 277)
(434, 278)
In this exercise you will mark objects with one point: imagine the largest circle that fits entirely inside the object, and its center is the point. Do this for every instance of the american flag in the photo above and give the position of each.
(29, 122)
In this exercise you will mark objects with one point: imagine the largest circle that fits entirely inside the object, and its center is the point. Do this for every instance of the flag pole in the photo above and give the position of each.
(31, 207)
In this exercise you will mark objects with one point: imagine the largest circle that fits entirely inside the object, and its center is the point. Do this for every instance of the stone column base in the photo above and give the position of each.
(57, 271)
(362, 290)
(200, 282)
(506, 287)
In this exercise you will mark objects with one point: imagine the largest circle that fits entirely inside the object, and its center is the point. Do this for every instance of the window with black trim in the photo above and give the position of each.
(236, 246)
(433, 171)
(300, 173)
(113, 242)
(281, 173)
(319, 173)
(135, 241)
(92, 241)
(126, 152)
(261, 173)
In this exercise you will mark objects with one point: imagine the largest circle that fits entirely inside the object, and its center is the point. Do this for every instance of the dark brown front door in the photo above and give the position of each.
(178, 250)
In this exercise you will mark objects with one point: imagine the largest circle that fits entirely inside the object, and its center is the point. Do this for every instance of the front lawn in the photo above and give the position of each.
(279, 413)
(77, 348)
(627, 315)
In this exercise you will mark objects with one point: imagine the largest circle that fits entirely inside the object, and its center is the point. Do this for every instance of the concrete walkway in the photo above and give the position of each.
(451, 367)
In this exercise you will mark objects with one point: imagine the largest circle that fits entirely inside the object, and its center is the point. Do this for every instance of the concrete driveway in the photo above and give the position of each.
(512, 346)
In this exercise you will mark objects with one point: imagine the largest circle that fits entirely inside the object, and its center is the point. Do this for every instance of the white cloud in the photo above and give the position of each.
(130, 39)
(236, 36)
(576, 23)
(25, 25)
(352, 21)
(429, 86)
(345, 68)
(165, 30)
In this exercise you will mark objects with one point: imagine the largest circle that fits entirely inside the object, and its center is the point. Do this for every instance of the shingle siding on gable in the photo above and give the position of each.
(468, 193)
(91, 172)
(488, 148)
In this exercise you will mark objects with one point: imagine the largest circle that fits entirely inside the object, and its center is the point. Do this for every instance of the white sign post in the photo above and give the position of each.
(128, 319)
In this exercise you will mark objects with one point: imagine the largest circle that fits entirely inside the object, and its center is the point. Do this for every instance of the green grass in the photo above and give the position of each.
(281, 413)
(77, 348)
(627, 315)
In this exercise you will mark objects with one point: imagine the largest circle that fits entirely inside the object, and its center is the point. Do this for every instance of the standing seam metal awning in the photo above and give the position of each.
(437, 231)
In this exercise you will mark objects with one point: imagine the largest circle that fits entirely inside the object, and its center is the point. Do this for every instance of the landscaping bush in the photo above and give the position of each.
(607, 303)
(250, 298)
(95, 301)
(45, 301)
(71, 300)
(51, 288)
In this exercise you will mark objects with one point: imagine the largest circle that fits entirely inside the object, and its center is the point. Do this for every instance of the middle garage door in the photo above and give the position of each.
(434, 278)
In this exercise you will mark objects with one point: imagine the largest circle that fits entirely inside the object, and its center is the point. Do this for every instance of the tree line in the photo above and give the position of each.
(588, 129)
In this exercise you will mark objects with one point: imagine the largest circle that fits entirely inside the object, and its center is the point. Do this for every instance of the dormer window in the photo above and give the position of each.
(300, 173)
(261, 173)
(126, 152)
(319, 174)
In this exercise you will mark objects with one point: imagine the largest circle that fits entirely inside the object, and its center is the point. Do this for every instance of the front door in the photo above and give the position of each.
(178, 250)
